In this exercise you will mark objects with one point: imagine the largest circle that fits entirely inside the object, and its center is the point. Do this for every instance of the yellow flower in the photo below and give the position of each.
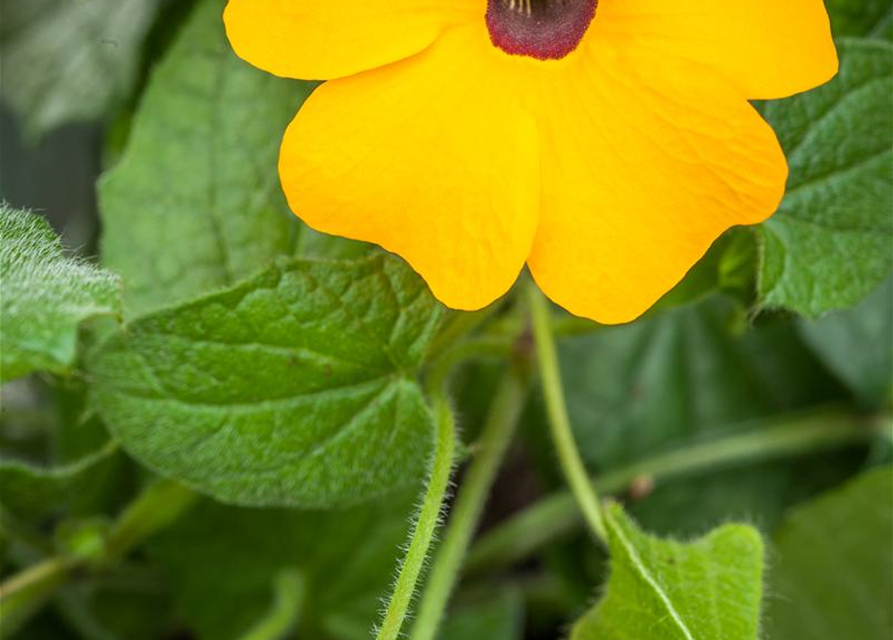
(605, 143)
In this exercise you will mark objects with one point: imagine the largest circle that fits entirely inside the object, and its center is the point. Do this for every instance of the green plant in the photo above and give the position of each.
(233, 427)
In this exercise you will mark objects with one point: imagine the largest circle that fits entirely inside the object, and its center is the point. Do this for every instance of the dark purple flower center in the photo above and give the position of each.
(541, 29)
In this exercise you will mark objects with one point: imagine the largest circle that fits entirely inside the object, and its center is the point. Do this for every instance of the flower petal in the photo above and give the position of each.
(322, 39)
(430, 158)
(639, 178)
(769, 48)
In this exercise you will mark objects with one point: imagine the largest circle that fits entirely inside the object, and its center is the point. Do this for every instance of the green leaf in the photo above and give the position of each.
(498, 616)
(70, 60)
(222, 563)
(296, 387)
(694, 371)
(195, 203)
(867, 18)
(44, 297)
(30, 491)
(687, 376)
(833, 566)
(857, 345)
(829, 244)
(665, 590)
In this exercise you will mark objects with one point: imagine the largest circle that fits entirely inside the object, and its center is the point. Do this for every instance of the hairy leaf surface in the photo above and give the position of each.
(44, 296)
(829, 244)
(665, 590)
(296, 387)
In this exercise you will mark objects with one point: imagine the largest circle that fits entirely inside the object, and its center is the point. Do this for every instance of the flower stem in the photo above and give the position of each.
(427, 520)
(494, 441)
(556, 515)
(559, 423)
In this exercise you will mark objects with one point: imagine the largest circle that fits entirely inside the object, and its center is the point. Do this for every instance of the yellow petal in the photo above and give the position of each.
(640, 177)
(322, 39)
(768, 48)
(429, 157)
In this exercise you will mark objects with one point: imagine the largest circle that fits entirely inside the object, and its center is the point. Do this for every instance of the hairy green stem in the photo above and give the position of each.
(427, 520)
(490, 450)
(559, 422)
(556, 515)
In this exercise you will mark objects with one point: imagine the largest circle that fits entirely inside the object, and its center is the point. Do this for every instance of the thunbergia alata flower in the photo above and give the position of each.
(606, 143)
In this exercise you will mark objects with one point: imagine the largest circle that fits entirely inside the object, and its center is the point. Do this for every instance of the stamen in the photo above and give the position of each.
(542, 29)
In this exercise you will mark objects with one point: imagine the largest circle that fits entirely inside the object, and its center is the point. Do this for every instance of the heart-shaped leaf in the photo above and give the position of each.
(296, 387)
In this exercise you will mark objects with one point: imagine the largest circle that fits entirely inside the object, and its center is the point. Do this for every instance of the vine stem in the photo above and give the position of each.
(559, 422)
(490, 450)
(556, 515)
(427, 520)
(290, 592)
(157, 507)
(22, 594)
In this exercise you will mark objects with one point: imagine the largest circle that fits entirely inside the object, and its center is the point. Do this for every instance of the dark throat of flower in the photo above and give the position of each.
(541, 29)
